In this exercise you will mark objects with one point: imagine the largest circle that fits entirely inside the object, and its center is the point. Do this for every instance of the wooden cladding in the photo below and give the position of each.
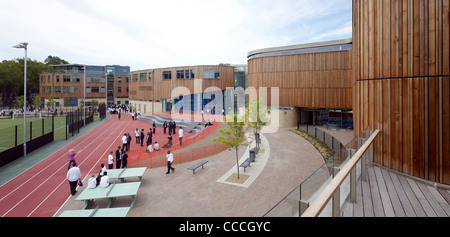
(401, 38)
(162, 88)
(317, 80)
(401, 70)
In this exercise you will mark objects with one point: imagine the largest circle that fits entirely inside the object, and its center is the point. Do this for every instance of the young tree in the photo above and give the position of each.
(255, 116)
(50, 102)
(234, 137)
(37, 101)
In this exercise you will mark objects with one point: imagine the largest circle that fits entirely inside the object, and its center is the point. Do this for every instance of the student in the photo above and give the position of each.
(137, 135)
(154, 127)
(156, 147)
(103, 169)
(124, 160)
(104, 181)
(165, 126)
(110, 160)
(149, 149)
(180, 136)
(142, 137)
(169, 157)
(92, 183)
(72, 155)
(124, 142)
(73, 176)
(169, 142)
(118, 158)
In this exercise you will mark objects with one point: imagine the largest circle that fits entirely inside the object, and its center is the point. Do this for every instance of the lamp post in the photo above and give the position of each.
(24, 46)
(84, 99)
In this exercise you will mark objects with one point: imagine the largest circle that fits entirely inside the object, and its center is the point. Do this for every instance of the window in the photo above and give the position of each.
(48, 79)
(88, 90)
(143, 76)
(42, 78)
(57, 78)
(66, 78)
(73, 101)
(127, 79)
(211, 74)
(150, 76)
(167, 75)
(119, 79)
(95, 79)
(102, 89)
(135, 77)
(95, 89)
(58, 89)
(75, 79)
(119, 89)
(180, 74)
(46, 89)
(189, 74)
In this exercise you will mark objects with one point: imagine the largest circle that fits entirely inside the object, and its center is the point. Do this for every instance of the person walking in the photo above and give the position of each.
(72, 155)
(169, 157)
(124, 142)
(180, 136)
(73, 176)
(110, 161)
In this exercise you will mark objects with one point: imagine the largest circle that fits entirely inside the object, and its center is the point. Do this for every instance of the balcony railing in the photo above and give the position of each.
(335, 180)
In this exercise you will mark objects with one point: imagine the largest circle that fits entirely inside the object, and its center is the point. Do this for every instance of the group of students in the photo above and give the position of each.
(101, 180)
(121, 159)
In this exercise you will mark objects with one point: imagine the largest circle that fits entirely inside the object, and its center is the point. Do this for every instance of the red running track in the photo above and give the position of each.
(43, 189)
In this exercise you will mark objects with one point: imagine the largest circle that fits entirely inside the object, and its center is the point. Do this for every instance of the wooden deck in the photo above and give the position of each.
(389, 194)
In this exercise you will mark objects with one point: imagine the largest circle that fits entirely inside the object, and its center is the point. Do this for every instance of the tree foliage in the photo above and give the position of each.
(12, 77)
(234, 137)
(54, 60)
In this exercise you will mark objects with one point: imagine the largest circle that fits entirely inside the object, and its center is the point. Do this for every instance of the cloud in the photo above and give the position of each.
(343, 31)
(152, 34)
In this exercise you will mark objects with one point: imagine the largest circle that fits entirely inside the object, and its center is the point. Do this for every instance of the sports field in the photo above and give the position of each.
(35, 128)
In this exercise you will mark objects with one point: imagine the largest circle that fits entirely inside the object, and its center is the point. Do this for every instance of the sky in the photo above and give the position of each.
(156, 34)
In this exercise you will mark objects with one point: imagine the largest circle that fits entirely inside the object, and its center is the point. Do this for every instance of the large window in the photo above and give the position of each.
(211, 74)
(95, 79)
(167, 75)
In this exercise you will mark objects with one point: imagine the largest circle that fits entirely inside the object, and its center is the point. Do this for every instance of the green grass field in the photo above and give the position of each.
(8, 130)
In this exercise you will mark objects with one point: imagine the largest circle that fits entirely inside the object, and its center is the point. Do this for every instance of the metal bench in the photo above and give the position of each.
(110, 192)
(248, 161)
(122, 174)
(196, 166)
(109, 212)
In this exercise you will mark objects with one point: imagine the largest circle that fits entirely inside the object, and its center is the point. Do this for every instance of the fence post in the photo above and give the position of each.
(353, 185)
(16, 137)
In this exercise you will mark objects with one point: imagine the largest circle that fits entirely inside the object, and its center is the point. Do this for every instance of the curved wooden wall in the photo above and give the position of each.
(315, 80)
(401, 69)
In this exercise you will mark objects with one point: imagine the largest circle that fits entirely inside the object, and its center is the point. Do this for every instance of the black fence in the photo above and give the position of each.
(40, 133)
